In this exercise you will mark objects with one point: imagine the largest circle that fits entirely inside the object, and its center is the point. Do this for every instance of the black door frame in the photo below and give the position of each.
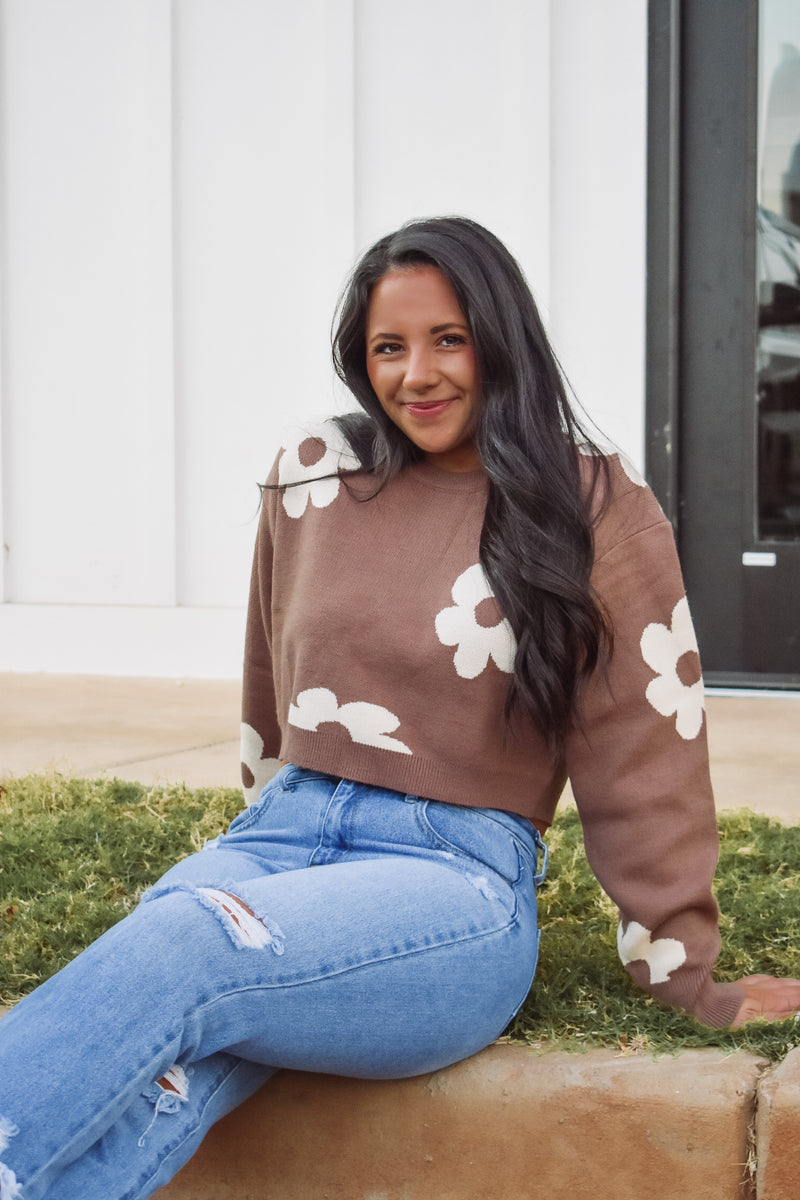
(702, 311)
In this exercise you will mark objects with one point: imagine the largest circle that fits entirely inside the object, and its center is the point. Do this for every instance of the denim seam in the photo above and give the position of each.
(531, 856)
(529, 985)
(268, 986)
(321, 847)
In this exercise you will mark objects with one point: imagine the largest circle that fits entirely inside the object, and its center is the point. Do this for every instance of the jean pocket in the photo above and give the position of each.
(469, 834)
(248, 816)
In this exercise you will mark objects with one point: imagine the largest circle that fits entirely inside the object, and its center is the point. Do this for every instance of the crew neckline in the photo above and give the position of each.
(449, 481)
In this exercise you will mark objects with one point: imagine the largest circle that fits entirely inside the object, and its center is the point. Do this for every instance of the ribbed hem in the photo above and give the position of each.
(452, 782)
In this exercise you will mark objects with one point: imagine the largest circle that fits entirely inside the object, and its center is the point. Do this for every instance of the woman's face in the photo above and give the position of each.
(421, 364)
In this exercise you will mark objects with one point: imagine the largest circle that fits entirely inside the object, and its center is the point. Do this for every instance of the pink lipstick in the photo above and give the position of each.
(428, 408)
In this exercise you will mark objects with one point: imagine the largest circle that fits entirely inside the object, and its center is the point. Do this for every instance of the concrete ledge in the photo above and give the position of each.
(778, 1131)
(510, 1124)
(514, 1124)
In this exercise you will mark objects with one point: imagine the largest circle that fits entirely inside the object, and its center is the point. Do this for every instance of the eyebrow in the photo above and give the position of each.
(385, 337)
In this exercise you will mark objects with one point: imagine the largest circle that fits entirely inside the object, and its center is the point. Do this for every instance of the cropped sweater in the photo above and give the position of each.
(376, 651)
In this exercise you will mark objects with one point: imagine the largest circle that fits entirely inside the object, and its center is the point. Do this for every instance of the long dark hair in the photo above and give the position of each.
(537, 542)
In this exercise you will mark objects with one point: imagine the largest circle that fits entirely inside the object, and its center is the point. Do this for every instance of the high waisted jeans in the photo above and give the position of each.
(335, 927)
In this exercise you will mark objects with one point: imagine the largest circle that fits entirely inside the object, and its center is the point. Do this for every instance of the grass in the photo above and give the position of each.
(75, 855)
(582, 997)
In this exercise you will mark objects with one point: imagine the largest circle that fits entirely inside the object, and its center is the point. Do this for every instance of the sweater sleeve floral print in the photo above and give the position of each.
(376, 651)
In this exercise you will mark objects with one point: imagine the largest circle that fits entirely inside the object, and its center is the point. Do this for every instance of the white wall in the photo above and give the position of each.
(88, 459)
(453, 116)
(183, 187)
(598, 144)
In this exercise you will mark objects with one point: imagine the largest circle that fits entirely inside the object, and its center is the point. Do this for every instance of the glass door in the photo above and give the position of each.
(777, 413)
(724, 323)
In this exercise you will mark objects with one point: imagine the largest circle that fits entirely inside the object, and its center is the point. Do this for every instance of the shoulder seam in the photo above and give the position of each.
(662, 521)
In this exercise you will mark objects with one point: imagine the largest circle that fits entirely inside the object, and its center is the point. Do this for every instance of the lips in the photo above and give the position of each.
(427, 408)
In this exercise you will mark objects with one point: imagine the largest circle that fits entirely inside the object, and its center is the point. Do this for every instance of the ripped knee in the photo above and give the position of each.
(175, 1081)
(240, 913)
(246, 928)
(9, 1188)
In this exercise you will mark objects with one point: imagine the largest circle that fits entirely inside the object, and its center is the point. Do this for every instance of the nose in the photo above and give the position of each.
(422, 372)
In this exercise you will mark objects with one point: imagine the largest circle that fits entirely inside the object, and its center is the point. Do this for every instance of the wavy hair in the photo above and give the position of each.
(537, 543)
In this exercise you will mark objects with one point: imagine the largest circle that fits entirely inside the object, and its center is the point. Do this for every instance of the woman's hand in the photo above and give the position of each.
(767, 999)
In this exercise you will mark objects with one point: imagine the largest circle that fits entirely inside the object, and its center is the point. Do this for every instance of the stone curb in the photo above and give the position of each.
(777, 1131)
(514, 1124)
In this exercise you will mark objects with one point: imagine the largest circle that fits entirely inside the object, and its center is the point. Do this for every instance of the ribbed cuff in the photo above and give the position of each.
(717, 1004)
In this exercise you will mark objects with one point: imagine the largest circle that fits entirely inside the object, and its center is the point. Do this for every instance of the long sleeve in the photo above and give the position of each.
(639, 767)
(261, 734)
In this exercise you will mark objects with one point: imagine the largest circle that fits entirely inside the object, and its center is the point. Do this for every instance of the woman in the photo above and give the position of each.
(457, 601)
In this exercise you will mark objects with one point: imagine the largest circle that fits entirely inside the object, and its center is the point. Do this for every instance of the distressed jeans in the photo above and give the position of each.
(335, 927)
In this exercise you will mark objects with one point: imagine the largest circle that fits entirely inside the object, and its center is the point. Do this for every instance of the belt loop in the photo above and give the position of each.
(538, 878)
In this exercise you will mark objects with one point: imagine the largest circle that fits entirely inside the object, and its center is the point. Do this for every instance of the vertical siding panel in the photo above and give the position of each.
(534, 151)
(183, 185)
(4, 441)
(445, 122)
(340, 134)
(263, 172)
(88, 323)
(599, 65)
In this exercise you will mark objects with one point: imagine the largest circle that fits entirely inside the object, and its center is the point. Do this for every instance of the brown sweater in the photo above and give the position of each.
(376, 651)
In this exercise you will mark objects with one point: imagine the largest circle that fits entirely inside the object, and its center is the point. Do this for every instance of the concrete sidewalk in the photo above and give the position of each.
(167, 730)
(139, 729)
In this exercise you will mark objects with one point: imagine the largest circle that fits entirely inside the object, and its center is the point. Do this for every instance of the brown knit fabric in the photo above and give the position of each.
(375, 651)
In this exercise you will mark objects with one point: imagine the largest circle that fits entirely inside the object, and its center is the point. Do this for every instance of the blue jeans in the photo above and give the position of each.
(335, 927)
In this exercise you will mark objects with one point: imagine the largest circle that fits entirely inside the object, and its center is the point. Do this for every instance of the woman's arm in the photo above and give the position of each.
(640, 775)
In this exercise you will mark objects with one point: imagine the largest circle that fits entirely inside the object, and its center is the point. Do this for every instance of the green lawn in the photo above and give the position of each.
(75, 855)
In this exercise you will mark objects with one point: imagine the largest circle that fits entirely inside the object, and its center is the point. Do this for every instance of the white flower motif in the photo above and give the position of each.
(662, 649)
(662, 956)
(306, 484)
(369, 724)
(261, 769)
(476, 644)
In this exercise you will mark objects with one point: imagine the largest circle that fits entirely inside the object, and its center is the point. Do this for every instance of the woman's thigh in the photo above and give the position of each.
(386, 967)
(372, 933)
(408, 942)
